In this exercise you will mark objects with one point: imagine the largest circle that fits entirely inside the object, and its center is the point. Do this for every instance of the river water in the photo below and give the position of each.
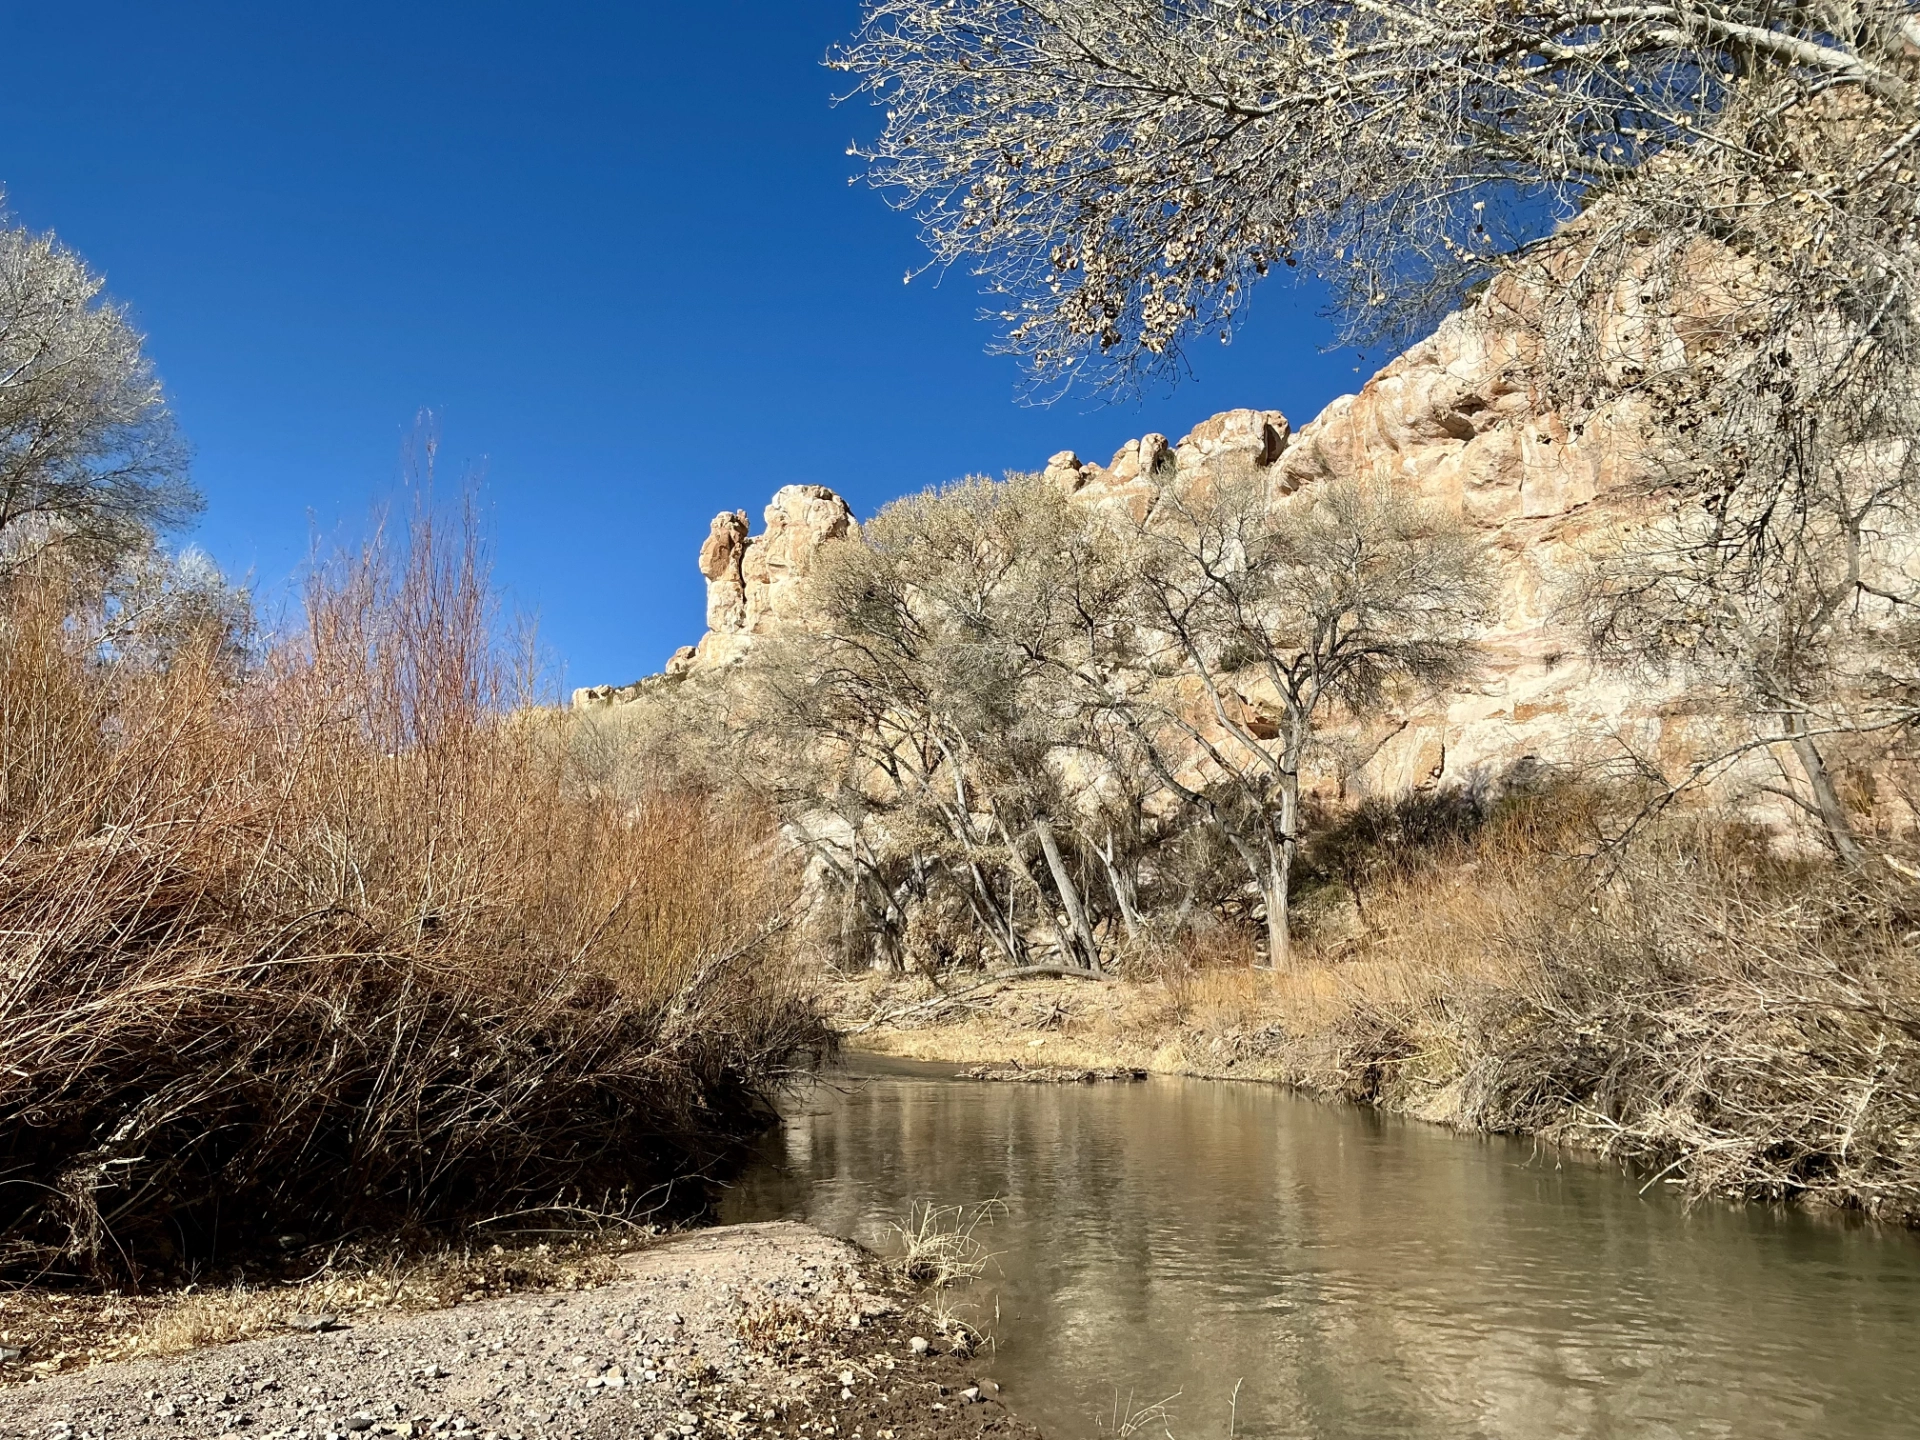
(1354, 1275)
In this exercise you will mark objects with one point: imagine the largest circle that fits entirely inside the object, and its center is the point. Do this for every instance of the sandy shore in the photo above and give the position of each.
(773, 1331)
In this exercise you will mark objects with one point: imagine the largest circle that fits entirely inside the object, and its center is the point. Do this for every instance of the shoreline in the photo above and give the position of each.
(773, 1331)
(1125, 1025)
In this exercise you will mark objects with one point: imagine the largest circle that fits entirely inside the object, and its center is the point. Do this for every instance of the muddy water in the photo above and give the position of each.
(1354, 1275)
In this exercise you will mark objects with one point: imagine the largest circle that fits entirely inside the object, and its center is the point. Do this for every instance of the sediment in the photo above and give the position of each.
(773, 1331)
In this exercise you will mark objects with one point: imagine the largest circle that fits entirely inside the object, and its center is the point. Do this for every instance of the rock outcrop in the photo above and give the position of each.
(752, 580)
(1453, 420)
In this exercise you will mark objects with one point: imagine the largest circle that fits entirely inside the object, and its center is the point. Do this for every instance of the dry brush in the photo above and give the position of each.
(341, 942)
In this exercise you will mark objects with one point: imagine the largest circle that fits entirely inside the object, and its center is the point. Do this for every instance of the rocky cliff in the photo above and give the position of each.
(1454, 420)
(753, 581)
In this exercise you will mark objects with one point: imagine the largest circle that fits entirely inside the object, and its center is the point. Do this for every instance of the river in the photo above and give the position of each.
(1352, 1274)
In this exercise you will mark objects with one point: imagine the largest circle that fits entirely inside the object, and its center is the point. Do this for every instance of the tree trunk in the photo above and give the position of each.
(1062, 936)
(997, 922)
(1069, 895)
(1263, 870)
(1280, 882)
(1125, 893)
(1279, 931)
(1826, 799)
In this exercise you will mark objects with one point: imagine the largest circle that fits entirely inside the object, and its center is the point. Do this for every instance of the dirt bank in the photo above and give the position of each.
(772, 1331)
(1236, 1025)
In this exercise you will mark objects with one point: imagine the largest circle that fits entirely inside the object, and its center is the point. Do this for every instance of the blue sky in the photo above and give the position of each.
(612, 246)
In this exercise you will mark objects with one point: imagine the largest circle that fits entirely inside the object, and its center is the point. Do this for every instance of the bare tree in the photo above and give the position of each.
(905, 698)
(90, 463)
(1702, 221)
(1749, 309)
(1122, 174)
(1342, 598)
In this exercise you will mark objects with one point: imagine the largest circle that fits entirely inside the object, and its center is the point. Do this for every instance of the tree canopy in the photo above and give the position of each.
(90, 461)
(1122, 173)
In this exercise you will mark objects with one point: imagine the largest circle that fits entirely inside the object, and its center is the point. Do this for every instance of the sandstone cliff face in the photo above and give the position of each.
(752, 580)
(1455, 421)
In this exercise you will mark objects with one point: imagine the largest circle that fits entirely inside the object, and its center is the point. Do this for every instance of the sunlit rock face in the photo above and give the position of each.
(1455, 421)
(753, 581)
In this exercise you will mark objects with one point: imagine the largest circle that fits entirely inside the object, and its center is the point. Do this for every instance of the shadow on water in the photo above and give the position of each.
(1364, 1276)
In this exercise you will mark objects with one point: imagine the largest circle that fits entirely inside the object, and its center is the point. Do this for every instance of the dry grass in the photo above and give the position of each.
(940, 1246)
(66, 1329)
(344, 944)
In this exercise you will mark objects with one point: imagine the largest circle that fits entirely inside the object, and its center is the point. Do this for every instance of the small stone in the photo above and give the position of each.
(358, 1423)
(918, 1344)
(972, 1392)
(846, 1377)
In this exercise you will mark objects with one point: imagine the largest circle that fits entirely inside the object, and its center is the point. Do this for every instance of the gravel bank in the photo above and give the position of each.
(773, 1331)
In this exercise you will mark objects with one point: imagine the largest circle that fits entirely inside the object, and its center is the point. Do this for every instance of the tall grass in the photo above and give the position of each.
(340, 942)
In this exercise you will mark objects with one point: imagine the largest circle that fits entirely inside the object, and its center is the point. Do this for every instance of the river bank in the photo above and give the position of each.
(772, 1330)
(1225, 1026)
(1755, 1041)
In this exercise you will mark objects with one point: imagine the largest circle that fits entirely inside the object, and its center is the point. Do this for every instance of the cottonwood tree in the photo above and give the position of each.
(1796, 622)
(1123, 173)
(1766, 346)
(1340, 599)
(1702, 215)
(920, 690)
(90, 463)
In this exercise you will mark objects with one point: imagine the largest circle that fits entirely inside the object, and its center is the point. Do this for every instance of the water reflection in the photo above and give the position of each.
(1364, 1277)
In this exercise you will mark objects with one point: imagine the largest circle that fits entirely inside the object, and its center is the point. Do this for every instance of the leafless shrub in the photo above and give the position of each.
(1743, 1028)
(346, 945)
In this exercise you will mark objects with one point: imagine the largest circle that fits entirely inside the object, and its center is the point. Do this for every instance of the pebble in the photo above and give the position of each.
(530, 1392)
